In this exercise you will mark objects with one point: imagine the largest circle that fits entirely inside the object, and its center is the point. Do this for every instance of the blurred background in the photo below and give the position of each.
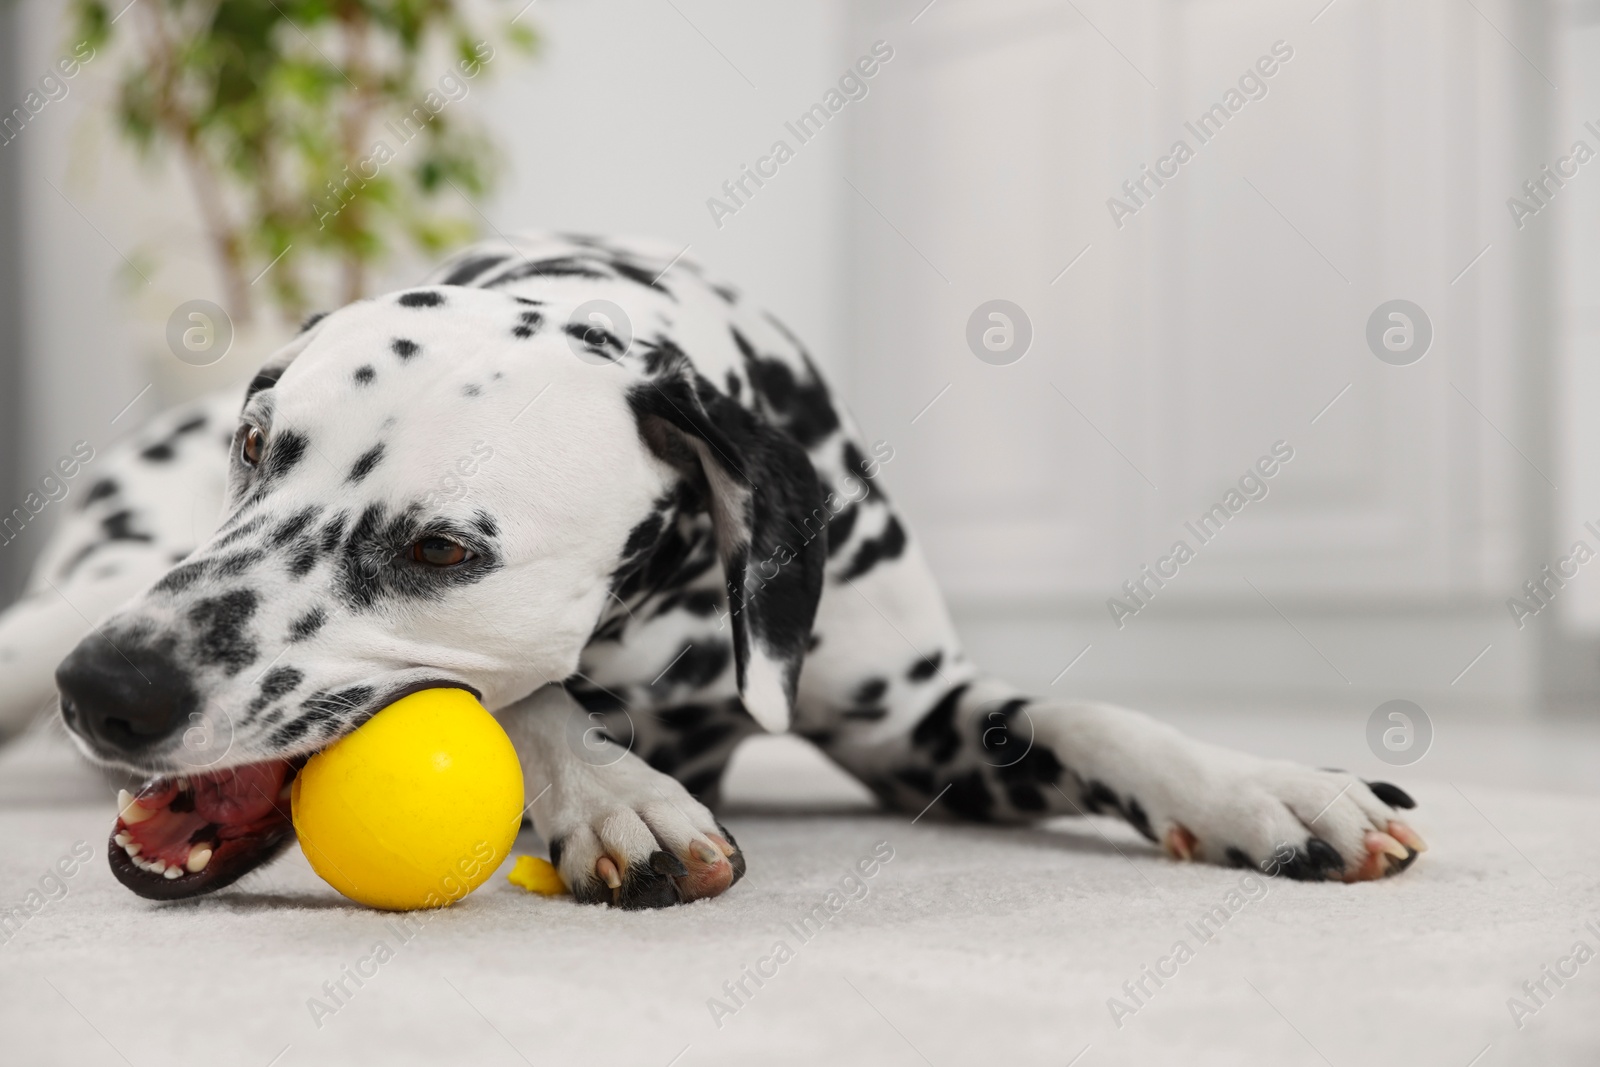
(1180, 329)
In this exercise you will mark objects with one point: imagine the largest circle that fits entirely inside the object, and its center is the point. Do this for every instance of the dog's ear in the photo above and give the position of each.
(269, 374)
(764, 499)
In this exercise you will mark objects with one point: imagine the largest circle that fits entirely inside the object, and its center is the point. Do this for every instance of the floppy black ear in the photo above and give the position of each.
(765, 500)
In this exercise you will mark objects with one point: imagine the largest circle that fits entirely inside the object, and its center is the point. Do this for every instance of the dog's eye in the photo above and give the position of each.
(254, 443)
(439, 552)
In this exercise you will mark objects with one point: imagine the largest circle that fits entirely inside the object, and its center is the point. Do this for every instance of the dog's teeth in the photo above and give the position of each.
(172, 872)
(133, 849)
(157, 866)
(183, 785)
(198, 858)
(128, 811)
(122, 839)
(132, 813)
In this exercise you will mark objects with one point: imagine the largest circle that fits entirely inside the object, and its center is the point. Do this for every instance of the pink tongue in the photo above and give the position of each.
(243, 794)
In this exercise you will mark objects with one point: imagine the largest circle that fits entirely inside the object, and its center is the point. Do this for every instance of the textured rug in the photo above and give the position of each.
(1073, 943)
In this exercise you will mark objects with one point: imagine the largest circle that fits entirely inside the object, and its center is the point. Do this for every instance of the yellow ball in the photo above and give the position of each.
(416, 808)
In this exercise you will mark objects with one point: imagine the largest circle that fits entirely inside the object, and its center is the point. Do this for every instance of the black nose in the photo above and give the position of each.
(126, 697)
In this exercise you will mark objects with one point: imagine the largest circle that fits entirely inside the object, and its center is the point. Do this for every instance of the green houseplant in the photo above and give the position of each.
(315, 136)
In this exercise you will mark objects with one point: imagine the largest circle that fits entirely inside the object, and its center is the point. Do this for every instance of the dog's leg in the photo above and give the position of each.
(980, 751)
(620, 832)
(691, 741)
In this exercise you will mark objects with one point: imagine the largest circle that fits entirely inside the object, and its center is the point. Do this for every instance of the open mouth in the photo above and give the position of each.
(182, 835)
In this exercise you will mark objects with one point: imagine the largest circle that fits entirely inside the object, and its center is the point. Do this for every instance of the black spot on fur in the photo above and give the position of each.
(801, 406)
(280, 681)
(702, 785)
(182, 577)
(471, 389)
(288, 733)
(167, 447)
(969, 797)
(1312, 863)
(100, 490)
(222, 637)
(682, 718)
(599, 341)
(887, 545)
(1323, 855)
(840, 529)
(364, 465)
(936, 731)
(364, 374)
(1237, 858)
(865, 714)
(303, 558)
(1139, 819)
(870, 691)
(1039, 766)
(404, 348)
(636, 273)
(332, 533)
(1098, 798)
(705, 739)
(919, 779)
(118, 526)
(295, 525)
(264, 379)
(601, 700)
(528, 323)
(469, 269)
(312, 320)
(926, 667)
(238, 563)
(339, 708)
(1391, 795)
(652, 886)
(857, 464)
(555, 267)
(1025, 798)
(698, 665)
(284, 453)
(422, 298)
(308, 624)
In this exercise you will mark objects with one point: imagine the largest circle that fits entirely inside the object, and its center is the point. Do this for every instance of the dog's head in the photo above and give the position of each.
(434, 488)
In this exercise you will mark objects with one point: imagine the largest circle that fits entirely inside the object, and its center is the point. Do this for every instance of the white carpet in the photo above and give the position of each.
(972, 945)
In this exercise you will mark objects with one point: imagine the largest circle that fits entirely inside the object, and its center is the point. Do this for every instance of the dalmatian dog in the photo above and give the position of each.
(619, 505)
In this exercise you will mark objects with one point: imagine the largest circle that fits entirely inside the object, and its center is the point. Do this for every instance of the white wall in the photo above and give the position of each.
(1220, 318)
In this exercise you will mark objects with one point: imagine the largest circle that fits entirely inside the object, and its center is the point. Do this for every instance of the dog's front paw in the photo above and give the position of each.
(1289, 820)
(629, 836)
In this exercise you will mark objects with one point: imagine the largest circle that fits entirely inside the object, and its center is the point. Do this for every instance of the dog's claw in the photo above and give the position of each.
(1407, 836)
(1180, 844)
(1377, 841)
(607, 870)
